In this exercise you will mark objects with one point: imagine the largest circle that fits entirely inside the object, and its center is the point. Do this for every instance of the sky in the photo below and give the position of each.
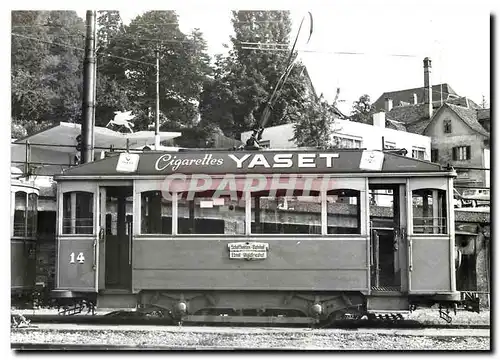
(455, 35)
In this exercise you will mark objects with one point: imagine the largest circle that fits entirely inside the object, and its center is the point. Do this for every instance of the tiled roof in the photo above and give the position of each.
(483, 114)
(412, 117)
(400, 97)
(469, 116)
(396, 125)
(465, 102)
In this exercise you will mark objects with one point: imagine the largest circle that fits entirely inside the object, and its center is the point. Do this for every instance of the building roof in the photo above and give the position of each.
(64, 136)
(413, 117)
(465, 102)
(402, 97)
(469, 116)
(483, 114)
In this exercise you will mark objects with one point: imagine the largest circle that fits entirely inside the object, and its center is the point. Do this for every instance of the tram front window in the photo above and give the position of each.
(32, 214)
(20, 214)
(78, 215)
(429, 211)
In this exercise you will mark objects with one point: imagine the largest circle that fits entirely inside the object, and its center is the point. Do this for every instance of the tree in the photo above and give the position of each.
(47, 53)
(362, 110)
(184, 66)
(235, 97)
(314, 127)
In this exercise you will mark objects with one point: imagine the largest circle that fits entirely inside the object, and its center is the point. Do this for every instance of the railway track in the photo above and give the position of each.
(130, 319)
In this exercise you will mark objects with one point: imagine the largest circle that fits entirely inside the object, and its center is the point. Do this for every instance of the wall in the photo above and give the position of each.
(280, 137)
(461, 134)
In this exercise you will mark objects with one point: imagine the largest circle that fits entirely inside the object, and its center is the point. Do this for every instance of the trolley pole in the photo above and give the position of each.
(157, 112)
(87, 151)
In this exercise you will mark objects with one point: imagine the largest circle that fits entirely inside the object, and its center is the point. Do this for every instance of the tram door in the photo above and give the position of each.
(388, 237)
(116, 237)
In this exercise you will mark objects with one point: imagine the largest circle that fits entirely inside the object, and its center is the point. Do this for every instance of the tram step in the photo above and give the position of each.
(381, 303)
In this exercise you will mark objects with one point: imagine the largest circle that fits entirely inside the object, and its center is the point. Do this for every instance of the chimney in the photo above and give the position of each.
(388, 104)
(428, 87)
(379, 119)
(415, 99)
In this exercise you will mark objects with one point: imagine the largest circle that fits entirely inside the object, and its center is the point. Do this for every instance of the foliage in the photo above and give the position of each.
(46, 65)
(314, 127)
(183, 64)
(362, 110)
(235, 97)
(47, 79)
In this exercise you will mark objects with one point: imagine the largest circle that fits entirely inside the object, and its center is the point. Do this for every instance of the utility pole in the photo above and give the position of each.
(88, 91)
(157, 112)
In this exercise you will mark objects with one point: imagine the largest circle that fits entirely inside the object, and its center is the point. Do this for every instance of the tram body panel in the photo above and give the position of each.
(300, 263)
(24, 200)
(76, 264)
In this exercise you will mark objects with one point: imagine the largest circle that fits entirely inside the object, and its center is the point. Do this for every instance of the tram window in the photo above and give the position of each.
(206, 215)
(20, 214)
(32, 214)
(156, 213)
(78, 213)
(286, 214)
(429, 211)
(343, 211)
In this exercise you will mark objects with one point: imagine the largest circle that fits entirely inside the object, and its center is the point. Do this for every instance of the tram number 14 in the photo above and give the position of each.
(80, 258)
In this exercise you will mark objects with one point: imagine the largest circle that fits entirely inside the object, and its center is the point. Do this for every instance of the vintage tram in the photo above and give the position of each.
(257, 236)
(23, 225)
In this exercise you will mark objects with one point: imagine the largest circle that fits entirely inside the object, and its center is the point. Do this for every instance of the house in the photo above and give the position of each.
(432, 110)
(459, 139)
(350, 134)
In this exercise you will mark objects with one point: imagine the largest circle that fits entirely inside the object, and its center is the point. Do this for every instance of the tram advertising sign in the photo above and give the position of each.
(235, 162)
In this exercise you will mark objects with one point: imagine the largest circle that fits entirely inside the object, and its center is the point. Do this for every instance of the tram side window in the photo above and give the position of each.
(78, 213)
(281, 214)
(20, 214)
(205, 215)
(343, 211)
(32, 214)
(429, 211)
(156, 213)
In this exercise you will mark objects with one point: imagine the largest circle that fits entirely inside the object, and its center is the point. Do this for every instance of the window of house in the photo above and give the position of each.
(447, 126)
(389, 145)
(156, 213)
(429, 211)
(347, 143)
(434, 155)
(265, 144)
(418, 153)
(78, 212)
(461, 153)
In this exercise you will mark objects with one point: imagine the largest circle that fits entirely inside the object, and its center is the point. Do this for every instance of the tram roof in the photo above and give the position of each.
(210, 161)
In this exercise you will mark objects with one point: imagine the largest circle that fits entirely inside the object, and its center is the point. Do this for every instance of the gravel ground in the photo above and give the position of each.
(431, 316)
(299, 340)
